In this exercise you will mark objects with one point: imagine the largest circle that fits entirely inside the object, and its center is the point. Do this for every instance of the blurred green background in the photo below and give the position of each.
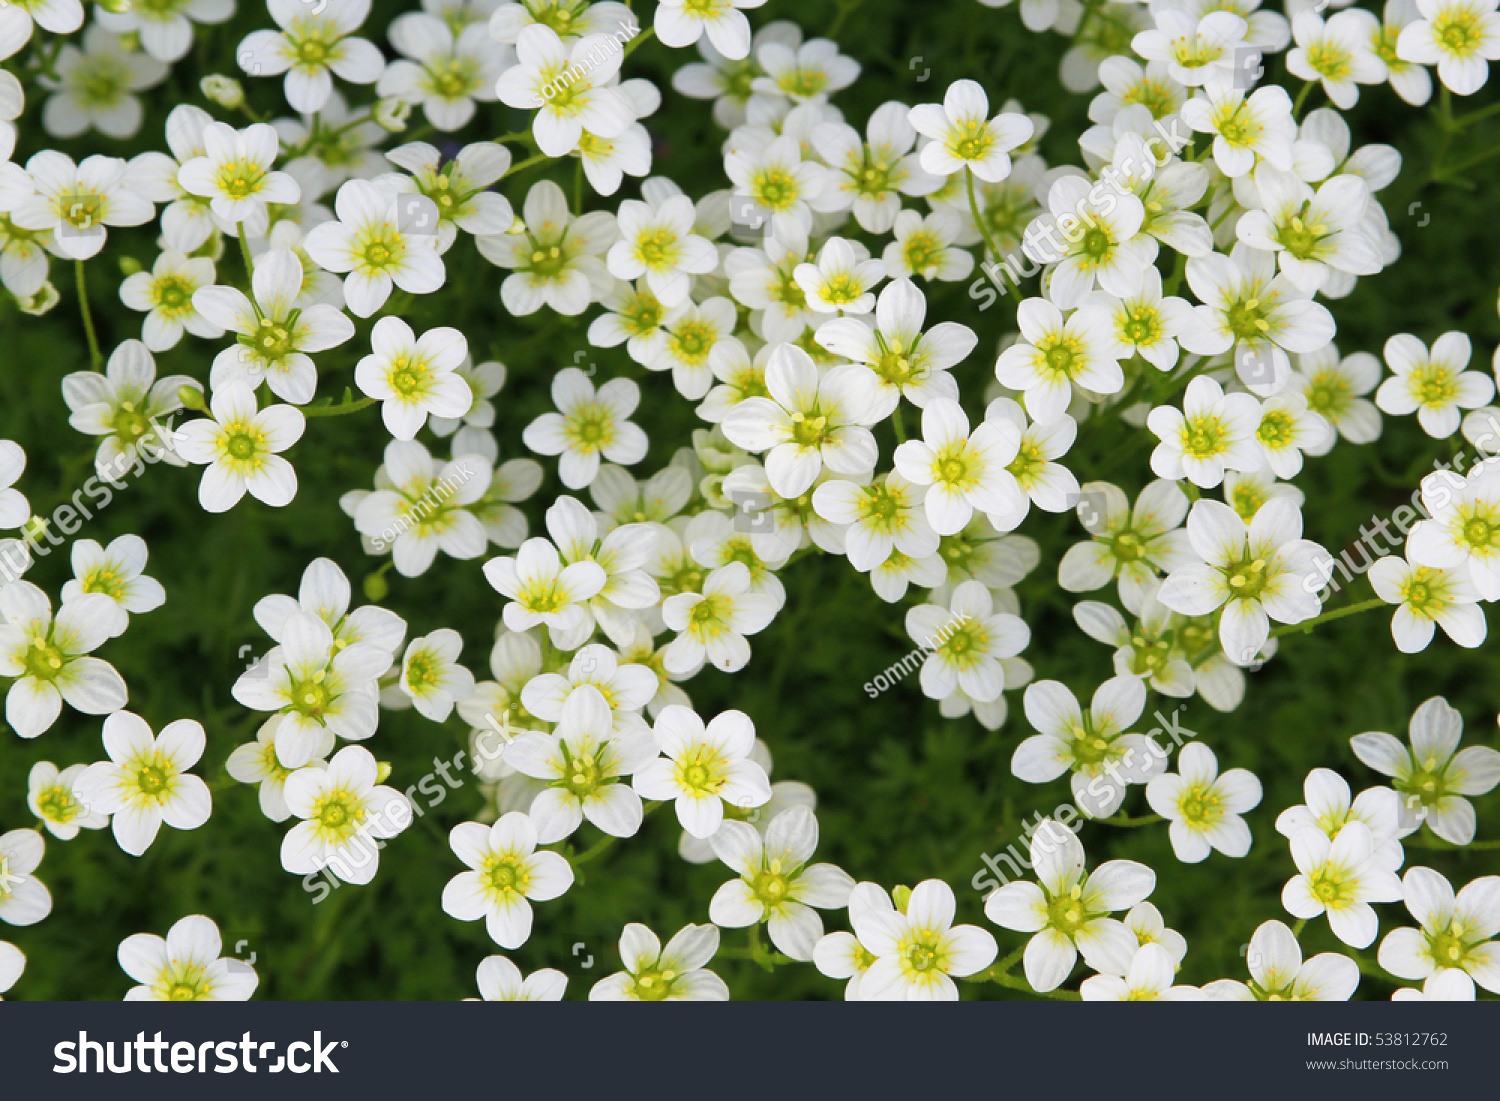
(903, 794)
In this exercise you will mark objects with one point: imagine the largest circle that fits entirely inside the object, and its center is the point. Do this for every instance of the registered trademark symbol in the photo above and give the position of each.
(343, 1043)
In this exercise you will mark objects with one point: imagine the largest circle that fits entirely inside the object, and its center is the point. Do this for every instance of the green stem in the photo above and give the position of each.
(639, 41)
(245, 255)
(527, 163)
(1424, 842)
(1302, 98)
(1131, 823)
(1463, 166)
(1329, 617)
(984, 231)
(346, 406)
(95, 356)
(1021, 984)
(898, 425)
(1297, 929)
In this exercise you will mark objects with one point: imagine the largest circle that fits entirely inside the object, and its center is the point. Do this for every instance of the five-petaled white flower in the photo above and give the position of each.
(675, 973)
(239, 445)
(918, 948)
(49, 657)
(1204, 806)
(145, 782)
(505, 871)
(704, 766)
(186, 966)
(1339, 877)
(345, 816)
(965, 137)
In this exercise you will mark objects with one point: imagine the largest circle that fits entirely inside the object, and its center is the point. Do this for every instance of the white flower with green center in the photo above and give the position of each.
(1131, 543)
(841, 955)
(1456, 934)
(499, 980)
(1313, 234)
(1054, 355)
(1150, 651)
(235, 175)
(24, 899)
(1102, 243)
(1335, 389)
(967, 644)
(318, 688)
(1213, 432)
(1095, 747)
(622, 554)
(447, 72)
(256, 763)
(712, 624)
(657, 243)
(772, 177)
(1068, 913)
(542, 590)
(907, 361)
(118, 572)
(703, 767)
(345, 817)
(589, 425)
(840, 281)
(1329, 808)
(793, 523)
(1196, 50)
(459, 188)
(1339, 53)
(1257, 572)
(12, 964)
(689, 334)
(569, 18)
(632, 316)
(884, 516)
(273, 335)
(1145, 323)
(1048, 485)
(312, 47)
(124, 406)
(964, 472)
(776, 885)
(239, 445)
(431, 676)
(1462, 528)
(369, 241)
(1128, 83)
(1434, 385)
(146, 780)
(165, 27)
(54, 797)
(1204, 806)
(1434, 778)
(1410, 81)
(585, 764)
(926, 247)
(556, 259)
(505, 873)
(1279, 974)
(1246, 128)
(1339, 878)
(965, 137)
(166, 297)
(1426, 598)
(419, 508)
(49, 657)
(569, 87)
(874, 172)
(19, 19)
(1149, 979)
(1248, 493)
(186, 966)
(1460, 37)
(1288, 428)
(623, 500)
(324, 592)
(78, 203)
(804, 73)
(917, 948)
(413, 377)
(94, 87)
(675, 973)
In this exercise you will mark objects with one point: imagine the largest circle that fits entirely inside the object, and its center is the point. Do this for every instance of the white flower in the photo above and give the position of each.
(77, 203)
(1196, 50)
(1329, 807)
(166, 297)
(703, 767)
(1288, 428)
(94, 86)
(186, 966)
(1433, 385)
(657, 242)
(917, 949)
(1339, 877)
(1246, 129)
(1427, 597)
(345, 817)
(368, 242)
(1067, 913)
(1463, 526)
(569, 88)
(1335, 390)
(499, 980)
(12, 963)
(968, 644)
(712, 624)
(1460, 37)
(257, 763)
(122, 405)
(239, 445)
(841, 955)
(24, 899)
(19, 20)
(1279, 974)
(1456, 934)
(505, 872)
(965, 137)
(1096, 748)
(1055, 354)
(419, 508)
(772, 177)
(672, 974)
(927, 247)
(431, 675)
(146, 781)
(1203, 806)
(1312, 233)
(884, 516)
(556, 261)
(312, 43)
(56, 798)
(1434, 776)
(1149, 979)
(875, 172)
(48, 656)
(1131, 542)
(118, 573)
(681, 23)
(1145, 323)
(963, 471)
(234, 174)
(413, 376)
(589, 424)
(1340, 53)
(543, 590)
(623, 554)
(166, 29)
(809, 420)
(449, 68)
(1213, 433)
(459, 187)
(686, 341)
(839, 281)
(776, 885)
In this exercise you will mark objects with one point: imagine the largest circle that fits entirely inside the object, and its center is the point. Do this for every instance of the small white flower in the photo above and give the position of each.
(505, 872)
(146, 781)
(186, 966)
(257, 763)
(965, 137)
(49, 657)
(235, 175)
(1055, 355)
(1279, 974)
(431, 675)
(1133, 543)
(675, 973)
(24, 899)
(449, 69)
(1246, 129)
(56, 799)
(499, 980)
(166, 297)
(1288, 428)
(239, 445)
(968, 644)
(568, 87)
(712, 624)
(78, 203)
(413, 376)
(1203, 806)
(840, 281)
(556, 262)
(1460, 37)
(345, 814)
(1340, 878)
(1213, 433)
(122, 405)
(1195, 50)
(589, 425)
(1455, 942)
(369, 243)
(1426, 598)
(1335, 389)
(117, 571)
(1462, 526)
(703, 767)
(963, 471)
(1434, 385)
(94, 87)
(681, 23)
(543, 590)
(419, 508)
(312, 46)
(1339, 53)
(1148, 980)
(918, 949)
(657, 243)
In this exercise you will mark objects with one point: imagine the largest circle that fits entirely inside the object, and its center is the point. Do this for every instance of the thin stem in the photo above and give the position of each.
(1463, 166)
(527, 163)
(95, 356)
(1131, 823)
(639, 41)
(1474, 116)
(897, 424)
(245, 255)
(346, 406)
(1021, 984)
(984, 230)
(1329, 617)
(1302, 98)
(578, 189)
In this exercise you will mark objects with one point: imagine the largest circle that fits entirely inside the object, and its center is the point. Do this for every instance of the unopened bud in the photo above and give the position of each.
(191, 398)
(129, 265)
(39, 303)
(223, 90)
(391, 114)
(382, 771)
(901, 895)
(377, 588)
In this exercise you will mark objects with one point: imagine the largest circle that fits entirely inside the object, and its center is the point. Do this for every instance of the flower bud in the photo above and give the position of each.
(223, 90)
(391, 114)
(129, 265)
(376, 587)
(191, 398)
(382, 771)
(39, 303)
(901, 895)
